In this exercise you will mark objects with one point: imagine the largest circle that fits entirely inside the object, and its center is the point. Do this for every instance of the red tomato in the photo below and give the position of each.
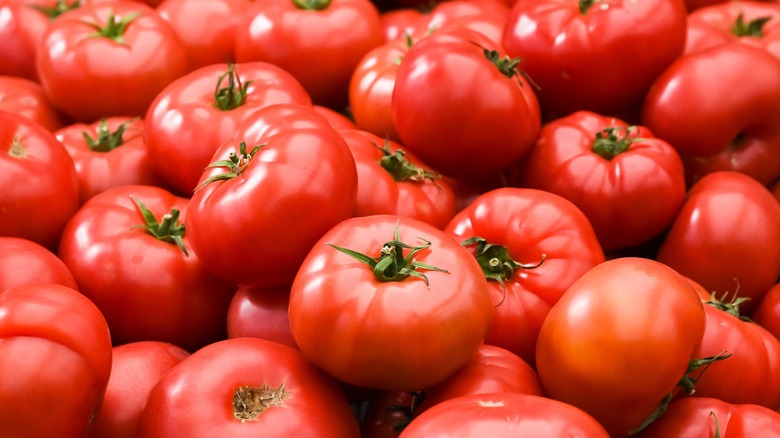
(609, 329)
(718, 122)
(38, 182)
(23, 262)
(131, 256)
(628, 183)
(135, 369)
(576, 50)
(289, 160)
(27, 98)
(393, 181)
(749, 22)
(397, 23)
(55, 353)
(108, 59)
(108, 153)
(402, 21)
(388, 413)
(320, 42)
(261, 313)
(535, 245)
(246, 387)
(335, 118)
(725, 237)
(405, 320)
(463, 131)
(503, 415)
(767, 312)
(191, 118)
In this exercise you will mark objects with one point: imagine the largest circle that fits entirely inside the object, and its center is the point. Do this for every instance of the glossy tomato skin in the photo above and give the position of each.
(102, 167)
(577, 58)
(395, 335)
(767, 312)
(184, 125)
(503, 415)
(136, 367)
(716, 24)
(38, 208)
(723, 123)
(721, 237)
(462, 130)
(148, 289)
(261, 313)
(89, 77)
(631, 189)
(303, 174)
(23, 262)
(55, 348)
(534, 226)
(27, 98)
(320, 47)
(626, 320)
(196, 397)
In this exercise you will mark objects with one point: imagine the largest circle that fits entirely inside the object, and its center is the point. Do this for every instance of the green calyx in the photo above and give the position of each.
(509, 67)
(312, 5)
(168, 230)
(236, 163)
(392, 265)
(398, 165)
(730, 307)
(106, 140)
(495, 261)
(613, 141)
(234, 94)
(115, 27)
(585, 5)
(753, 28)
(58, 9)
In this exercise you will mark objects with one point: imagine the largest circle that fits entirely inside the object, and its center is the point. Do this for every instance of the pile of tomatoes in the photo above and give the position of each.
(389, 218)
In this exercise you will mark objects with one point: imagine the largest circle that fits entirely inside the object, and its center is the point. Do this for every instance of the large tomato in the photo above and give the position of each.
(55, 355)
(749, 22)
(260, 313)
(620, 340)
(27, 98)
(532, 245)
(725, 237)
(463, 130)
(246, 387)
(387, 302)
(23, 262)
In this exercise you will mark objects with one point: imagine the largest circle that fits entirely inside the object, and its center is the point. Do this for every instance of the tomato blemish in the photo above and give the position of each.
(249, 402)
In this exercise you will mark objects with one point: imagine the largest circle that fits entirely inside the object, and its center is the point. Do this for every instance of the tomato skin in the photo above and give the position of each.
(79, 71)
(335, 118)
(261, 313)
(503, 415)
(660, 320)
(136, 368)
(575, 58)
(767, 312)
(533, 225)
(394, 335)
(27, 98)
(473, 133)
(195, 398)
(629, 198)
(723, 123)
(23, 262)
(714, 24)
(123, 268)
(54, 346)
(38, 209)
(720, 237)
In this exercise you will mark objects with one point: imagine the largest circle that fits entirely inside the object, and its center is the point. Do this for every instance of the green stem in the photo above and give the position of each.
(58, 9)
(115, 27)
(496, 262)
(169, 230)
(236, 163)
(613, 141)
(312, 5)
(753, 28)
(585, 5)
(106, 140)
(234, 94)
(398, 165)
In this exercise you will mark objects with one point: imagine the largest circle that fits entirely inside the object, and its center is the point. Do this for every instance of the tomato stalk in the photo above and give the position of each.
(169, 230)
(249, 402)
(58, 9)
(609, 142)
(115, 27)
(232, 96)
(508, 67)
(495, 261)
(392, 265)
(17, 149)
(106, 140)
(585, 5)
(730, 307)
(312, 5)
(398, 165)
(235, 162)
(753, 28)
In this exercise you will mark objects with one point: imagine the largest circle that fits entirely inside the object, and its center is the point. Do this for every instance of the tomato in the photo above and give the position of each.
(27, 98)
(575, 50)
(399, 22)
(532, 245)
(706, 416)
(108, 153)
(55, 352)
(246, 387)
(723, 122)
(23, 262)
(725, 237)
(393, 181)
(619, 341)
(135, 369)
(260, 313)
(319, 42)
(38, 208)
(461, 130)
(206, 28)
(335, 118)
(628, 183)
(767, 312)
(131, 256)
(289, 160)
(388, 413)
(503, 415)
(404, 317)
(191, 118)
(749, 22)
(108, 59)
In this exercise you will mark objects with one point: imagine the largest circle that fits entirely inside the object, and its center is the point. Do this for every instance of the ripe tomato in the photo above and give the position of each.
(628, 183)
(55, 352)
(767, 312)
(725, 237)
(27, 98)
(260, 313)
(108, 59)
(23, 262)
(749, 22)
(246, 387)
(626, 320)
(406, 317)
